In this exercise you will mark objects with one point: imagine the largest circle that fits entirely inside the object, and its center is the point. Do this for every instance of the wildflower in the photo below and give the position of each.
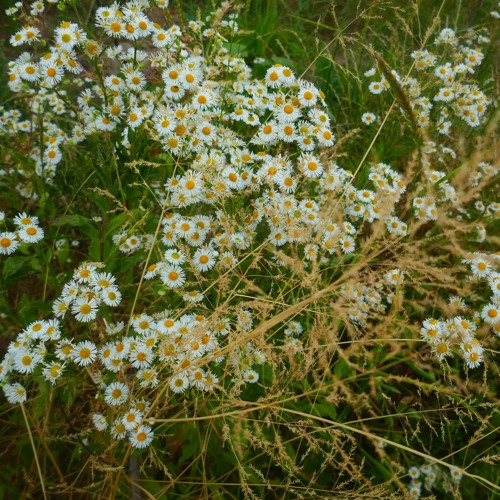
(473, 358)
(148, 377)
(84, 273)
(53, 371)
(250, 376)
(25, 361)
(131, 419)
(116, 393)
(193, 296)
(295, 345)
(141, 437)
(84, 353)
(179, 383)
(376, 87)
(444, 94)
(394, 277)
(60, 306)
(287, 112)
(30, 233)
(53, 331)
(396, 226)
(325, 137)
(491, 314)
(441, 348)
(415, 490)
(64, 349)
(203, 259)
(85, 310)
(23, 219)
(444, 127)
(8, 243)
(368, 118)
(456, 474)
(307, 94)
(414, 472)
(15, 393)
(293, 328)
(118, 430)
(494, 282)
(173, 276)
(100, 421)
(480, 267)
(111, 296)
(274, 77)
(310, 166)
(347, 244)
(141, 357)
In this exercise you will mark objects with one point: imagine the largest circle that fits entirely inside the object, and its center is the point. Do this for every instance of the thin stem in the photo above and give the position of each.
(34, 452)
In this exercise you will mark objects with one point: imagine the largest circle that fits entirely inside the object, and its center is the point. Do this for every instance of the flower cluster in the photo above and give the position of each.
(86, 292)
(458, 334)
(429, 476)
(42, 343)
(248, 165)
(450, 93)
(27, 230)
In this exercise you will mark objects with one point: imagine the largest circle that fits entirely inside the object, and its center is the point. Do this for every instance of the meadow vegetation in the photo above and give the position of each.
(249, 249)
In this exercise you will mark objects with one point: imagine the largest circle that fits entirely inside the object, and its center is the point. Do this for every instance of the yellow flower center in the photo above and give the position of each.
(85, 353)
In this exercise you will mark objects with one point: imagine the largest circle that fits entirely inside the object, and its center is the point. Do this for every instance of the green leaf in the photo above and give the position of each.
(73, 220)
(342, 369)
(325, 410)
(236, 49)
(429, 375)
(191, 448)
(23, 308)
(13, 264)
(89, 229)
(98, 199)
(113, 225)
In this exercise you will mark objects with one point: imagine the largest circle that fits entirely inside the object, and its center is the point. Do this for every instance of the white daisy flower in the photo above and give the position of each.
(100, 421)
(8, 243)
(84, 353)
(173, 276)
(250, 376)
(116, 393)
(179, 383)
(15, 393)
(85, 310)
(141, 437)
(131, 419)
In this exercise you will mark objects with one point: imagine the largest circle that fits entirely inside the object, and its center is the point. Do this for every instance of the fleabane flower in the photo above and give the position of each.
(204, 259)
(132, 419)
(179, 383)
(250, 376)
(53, 371)
(173, 276)
(368, 118)
(99, 421)
(30, 233)
(116, 393)
(15, 393)
(310, 166)
(491, 314)
(85, 310)
(84, 353)
(8, 243)
(141, 437)
(26, 361)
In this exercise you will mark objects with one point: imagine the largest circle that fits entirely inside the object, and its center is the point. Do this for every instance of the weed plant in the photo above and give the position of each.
(249, 249)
